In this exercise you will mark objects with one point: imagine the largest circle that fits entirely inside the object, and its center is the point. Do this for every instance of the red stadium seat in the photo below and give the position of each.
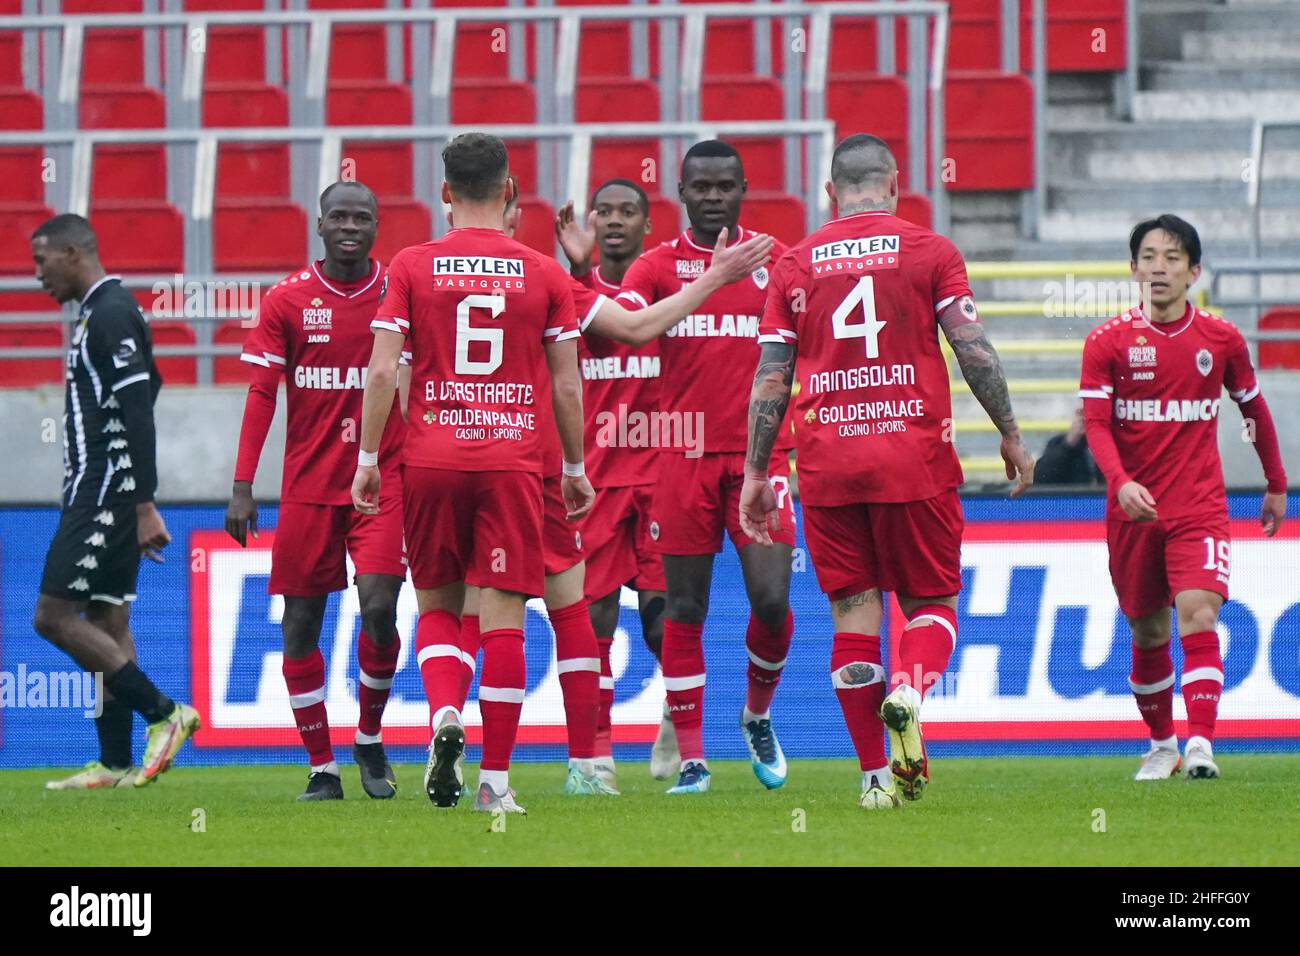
(384, 167)
(132, 170)
(488, 101)
(605, 46)
(975, 38)
(1280, 355)
(853, 44)
(249, 169)
(990, 130)
(611, 100)
(252, 235)
(915, 208)
(175, 369)
(139, 236)
(112, 56)
(778, 214)
(228, 369)
(537, 224)
(749, 98)
(482, 48)
(11, 47)
(1082, 35)
(869, 103)
(27, 372)
(402, 223)
(20, 166)
(358, 51)
(234, 54)
(22, 219)
(729, 44)
(665, 220)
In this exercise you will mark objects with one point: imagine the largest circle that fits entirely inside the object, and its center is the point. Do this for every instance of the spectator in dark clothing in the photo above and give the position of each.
(1066, 459)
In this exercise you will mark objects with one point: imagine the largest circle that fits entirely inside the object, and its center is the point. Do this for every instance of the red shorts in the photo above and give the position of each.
(697, 499)
(561, 538)
(616, 536)
(1151, 562)
(307, 558)
(480, 527)
(910, 547)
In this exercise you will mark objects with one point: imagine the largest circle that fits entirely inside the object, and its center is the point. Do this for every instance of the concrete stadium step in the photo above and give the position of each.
(1276, 42)
(1199, 75)
(1071, 146)
(1214, 104)
(1199, 166)
(1215, 225)
(1155, 195)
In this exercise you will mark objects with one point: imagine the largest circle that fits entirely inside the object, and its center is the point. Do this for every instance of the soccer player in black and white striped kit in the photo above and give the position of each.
(109, 519)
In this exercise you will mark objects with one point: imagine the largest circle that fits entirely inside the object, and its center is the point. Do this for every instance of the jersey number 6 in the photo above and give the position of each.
(466, 333)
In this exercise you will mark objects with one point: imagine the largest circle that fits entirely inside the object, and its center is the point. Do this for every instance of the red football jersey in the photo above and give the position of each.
(586, 303)
(318, 331)
(1165, 383)
(709, 356)
(476, 307)
(860, 299)
(620, 394)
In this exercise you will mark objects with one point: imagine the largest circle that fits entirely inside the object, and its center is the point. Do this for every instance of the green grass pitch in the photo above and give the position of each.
(977, 811)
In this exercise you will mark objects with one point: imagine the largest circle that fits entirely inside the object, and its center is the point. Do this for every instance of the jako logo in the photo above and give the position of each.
(103, 909)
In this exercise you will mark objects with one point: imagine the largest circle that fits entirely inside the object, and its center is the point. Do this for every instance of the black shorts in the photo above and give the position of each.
(94, 555)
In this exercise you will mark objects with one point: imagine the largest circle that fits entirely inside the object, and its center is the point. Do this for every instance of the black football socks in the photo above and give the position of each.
(113, 726)
(132, 687)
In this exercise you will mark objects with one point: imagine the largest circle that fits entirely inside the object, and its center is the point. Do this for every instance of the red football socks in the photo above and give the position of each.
(926, 645)
(377, 664)
(1202, 682)
(305, 679)
(1152, 682)
(469, 644)
(767, 649)
(501, 695)
(438, 655)
(859, 682)
(683, 656)
(577, 658)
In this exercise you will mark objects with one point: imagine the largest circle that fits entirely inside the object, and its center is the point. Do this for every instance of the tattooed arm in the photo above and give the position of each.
(982, 369)
(768, 400)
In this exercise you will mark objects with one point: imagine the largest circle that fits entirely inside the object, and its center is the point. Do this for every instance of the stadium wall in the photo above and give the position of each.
(198, 434)
(1041, 665)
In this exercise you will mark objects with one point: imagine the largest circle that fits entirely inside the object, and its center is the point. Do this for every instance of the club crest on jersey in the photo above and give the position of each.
(383, 288)
(1204, 361)
(317, 319)
(690, 268)
(654, 530)
(1141, 356)
(577, 541)
(760, 277)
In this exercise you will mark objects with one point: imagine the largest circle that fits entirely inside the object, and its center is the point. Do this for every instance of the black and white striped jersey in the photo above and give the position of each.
(105, 446)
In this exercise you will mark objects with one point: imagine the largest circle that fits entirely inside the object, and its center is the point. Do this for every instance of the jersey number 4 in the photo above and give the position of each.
(863, 294)
(467, 334)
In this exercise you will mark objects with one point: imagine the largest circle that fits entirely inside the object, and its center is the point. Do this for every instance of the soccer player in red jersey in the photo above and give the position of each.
(706, 357)
(491, 331)
(563, 546)
(313, 328)
(1152, 383)
(859, 304)
(620, 393)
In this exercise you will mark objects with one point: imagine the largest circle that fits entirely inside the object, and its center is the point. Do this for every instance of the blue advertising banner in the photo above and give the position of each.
(1041, 664)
